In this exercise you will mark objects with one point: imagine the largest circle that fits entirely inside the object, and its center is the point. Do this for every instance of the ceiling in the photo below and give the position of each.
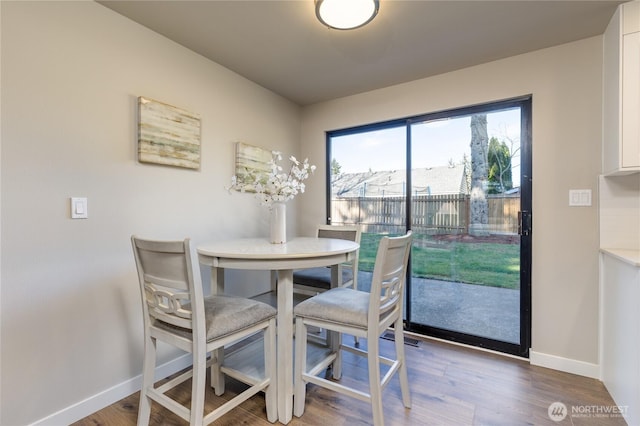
(281, 46)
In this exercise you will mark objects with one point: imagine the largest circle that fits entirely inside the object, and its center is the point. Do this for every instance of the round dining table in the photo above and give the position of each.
(260, 254)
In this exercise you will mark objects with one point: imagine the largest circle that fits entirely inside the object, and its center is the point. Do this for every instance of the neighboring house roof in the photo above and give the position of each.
(425, 181)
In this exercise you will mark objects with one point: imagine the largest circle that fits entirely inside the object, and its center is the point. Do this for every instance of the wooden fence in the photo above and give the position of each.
(431, 214)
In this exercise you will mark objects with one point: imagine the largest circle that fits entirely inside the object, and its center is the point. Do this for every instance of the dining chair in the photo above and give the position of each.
(362, 314)
(317, 280)
(311, 281)
(176, 312)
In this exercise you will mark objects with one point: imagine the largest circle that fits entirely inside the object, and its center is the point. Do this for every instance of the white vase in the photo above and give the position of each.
(278, 223)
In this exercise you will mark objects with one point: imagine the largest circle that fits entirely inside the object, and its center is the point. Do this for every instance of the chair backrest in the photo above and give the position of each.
(387, 283)
(344, 232)
(167, 286)
(351, 233)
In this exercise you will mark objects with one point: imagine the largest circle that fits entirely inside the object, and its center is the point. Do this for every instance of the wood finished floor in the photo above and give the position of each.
(450, 385)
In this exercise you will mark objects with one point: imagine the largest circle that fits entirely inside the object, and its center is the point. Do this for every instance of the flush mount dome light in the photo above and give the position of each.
(346, 14)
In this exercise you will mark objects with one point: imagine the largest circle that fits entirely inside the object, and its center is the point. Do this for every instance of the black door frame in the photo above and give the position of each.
(525, 105)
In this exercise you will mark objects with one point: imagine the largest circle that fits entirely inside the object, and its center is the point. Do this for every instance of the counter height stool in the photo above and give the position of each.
(317, 280)
(362, 314)
(312, 281)
(176, 312)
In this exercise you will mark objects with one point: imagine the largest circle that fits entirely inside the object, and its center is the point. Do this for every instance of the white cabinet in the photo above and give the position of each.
(620, 341)
(621, 92)
(619, 213)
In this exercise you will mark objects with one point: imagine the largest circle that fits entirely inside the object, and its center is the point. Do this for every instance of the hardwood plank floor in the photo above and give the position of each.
(450, 385)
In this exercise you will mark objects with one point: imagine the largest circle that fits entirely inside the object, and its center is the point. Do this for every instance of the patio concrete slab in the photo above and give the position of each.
(467, 308)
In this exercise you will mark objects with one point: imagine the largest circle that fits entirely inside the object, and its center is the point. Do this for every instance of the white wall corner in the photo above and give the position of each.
(109, 396)
(567, 365)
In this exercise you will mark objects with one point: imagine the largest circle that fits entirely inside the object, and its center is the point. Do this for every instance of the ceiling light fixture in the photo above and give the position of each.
(346, 14)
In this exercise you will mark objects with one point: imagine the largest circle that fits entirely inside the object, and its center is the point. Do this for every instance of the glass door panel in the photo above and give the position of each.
(465, 203)
(461, 181)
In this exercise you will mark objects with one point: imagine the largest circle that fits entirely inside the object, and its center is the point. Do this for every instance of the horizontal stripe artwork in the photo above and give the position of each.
(168, 135)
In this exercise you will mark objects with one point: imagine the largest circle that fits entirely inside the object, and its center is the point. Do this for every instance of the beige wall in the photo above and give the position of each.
(565, 82)
(71, 72)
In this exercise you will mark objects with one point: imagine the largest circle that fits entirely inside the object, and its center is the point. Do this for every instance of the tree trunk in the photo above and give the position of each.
(479, 217)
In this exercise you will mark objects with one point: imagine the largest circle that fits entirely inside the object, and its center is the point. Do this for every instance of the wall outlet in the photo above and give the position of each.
(579, 197)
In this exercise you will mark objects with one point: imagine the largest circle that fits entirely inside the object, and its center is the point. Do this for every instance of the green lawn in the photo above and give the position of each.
(490, 264)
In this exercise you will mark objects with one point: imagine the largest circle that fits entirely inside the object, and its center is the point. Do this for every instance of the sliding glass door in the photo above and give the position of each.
(461, 181)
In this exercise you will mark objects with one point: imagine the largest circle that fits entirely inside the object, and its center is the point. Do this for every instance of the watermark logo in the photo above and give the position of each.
(557, 411)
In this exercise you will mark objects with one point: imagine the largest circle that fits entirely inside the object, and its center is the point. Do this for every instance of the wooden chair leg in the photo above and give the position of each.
(402, 373)
(148, 377)
(356, 339)
(198, 383)
(335, 343)
(299, 385)
(217, 378)
(375, 389)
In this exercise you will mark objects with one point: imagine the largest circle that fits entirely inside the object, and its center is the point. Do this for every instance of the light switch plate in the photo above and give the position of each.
(580, 197)
(79, 208)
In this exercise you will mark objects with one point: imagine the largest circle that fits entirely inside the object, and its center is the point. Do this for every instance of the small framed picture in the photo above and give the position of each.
(168, 135)
(251, 162)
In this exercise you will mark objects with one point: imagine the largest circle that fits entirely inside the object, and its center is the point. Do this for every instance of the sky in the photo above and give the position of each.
(434, 144)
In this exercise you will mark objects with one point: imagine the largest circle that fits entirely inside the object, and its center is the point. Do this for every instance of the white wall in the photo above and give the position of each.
(70, 75)
(565, 82)
(71, 72)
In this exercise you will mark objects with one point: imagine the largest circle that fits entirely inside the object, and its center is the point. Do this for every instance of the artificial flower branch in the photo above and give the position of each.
(276, 186)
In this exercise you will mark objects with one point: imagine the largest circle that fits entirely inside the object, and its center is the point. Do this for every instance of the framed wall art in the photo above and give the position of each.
(251, 162)
(168, 135)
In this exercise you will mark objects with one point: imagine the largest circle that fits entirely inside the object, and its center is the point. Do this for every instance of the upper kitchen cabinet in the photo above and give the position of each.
(621, 96)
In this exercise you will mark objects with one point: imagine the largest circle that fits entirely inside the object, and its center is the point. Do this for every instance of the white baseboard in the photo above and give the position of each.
(109, 396)
(539, 359)
(567, 365)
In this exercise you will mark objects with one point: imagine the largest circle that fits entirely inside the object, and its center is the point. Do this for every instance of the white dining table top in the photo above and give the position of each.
(261, 248)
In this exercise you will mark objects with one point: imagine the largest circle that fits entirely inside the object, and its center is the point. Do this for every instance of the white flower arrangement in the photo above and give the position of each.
(276, 186)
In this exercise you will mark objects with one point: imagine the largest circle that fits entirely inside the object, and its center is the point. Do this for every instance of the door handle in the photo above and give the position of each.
(524, 222)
